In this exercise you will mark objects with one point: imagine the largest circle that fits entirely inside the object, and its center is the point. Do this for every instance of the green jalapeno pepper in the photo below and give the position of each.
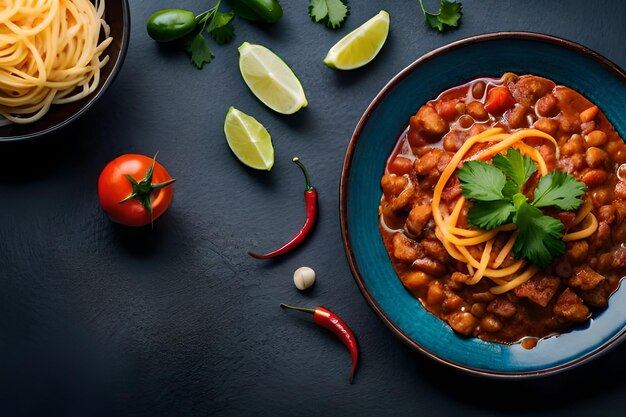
(170, 24)
(268, 11)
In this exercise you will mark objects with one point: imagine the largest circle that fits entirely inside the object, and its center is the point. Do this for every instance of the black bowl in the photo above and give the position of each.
(117, 15)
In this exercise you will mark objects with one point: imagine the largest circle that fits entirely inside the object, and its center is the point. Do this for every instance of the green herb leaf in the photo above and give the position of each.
(496, 192)
(559, 189)
(516, 167)
(198, 50)
(448, 16)
(481, 181)
(490, 214)
(332, 13)
(510, 189)
(220, 28)
(539, 239)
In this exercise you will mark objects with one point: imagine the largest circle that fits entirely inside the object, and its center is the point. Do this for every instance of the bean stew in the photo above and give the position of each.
(514, 301)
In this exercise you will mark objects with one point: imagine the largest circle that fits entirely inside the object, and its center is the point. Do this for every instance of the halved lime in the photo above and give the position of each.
(249, 140)
(361, 45)
(270, 79)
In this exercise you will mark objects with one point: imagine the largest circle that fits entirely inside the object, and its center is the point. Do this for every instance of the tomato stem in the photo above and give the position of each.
(142, 190)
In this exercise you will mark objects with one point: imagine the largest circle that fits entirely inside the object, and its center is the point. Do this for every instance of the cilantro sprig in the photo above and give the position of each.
(215, 23)
(497, 190)
(448, 16)
(331, 13)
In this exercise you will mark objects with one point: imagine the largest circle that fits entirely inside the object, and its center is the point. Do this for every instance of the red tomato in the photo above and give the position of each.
(499, 100)
(114, 189)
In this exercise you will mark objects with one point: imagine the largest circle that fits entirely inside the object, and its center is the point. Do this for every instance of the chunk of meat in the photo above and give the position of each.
(547, 106)
(585, 278)
(404, 249)
(619, 259)
(601, 236)
(548, 153)
(620, 190)
(452, 191)
(429, 266)
(529, 88)
(539, 289)
(571, 307)
(502, 307)
(517, 116)
(428, 122)
(577, 251)
(435, 249)
(418, 218)
(460, 277)
(567, 218)
(597, 297)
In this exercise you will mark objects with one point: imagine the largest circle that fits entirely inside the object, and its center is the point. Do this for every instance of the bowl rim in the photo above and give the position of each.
(90, 100)
(343, 197)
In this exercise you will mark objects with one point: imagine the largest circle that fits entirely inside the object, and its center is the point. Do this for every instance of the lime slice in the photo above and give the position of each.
(361, 45)
(249, 140)
(270, 79)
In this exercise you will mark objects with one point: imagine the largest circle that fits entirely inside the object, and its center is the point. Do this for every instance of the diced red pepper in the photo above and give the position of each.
(499, 100)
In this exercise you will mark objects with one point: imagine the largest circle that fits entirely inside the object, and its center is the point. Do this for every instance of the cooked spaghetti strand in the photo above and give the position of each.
(51, 52)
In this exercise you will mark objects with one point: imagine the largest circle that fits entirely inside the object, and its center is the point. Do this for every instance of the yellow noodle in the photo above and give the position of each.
(51, 52)
(457, 240)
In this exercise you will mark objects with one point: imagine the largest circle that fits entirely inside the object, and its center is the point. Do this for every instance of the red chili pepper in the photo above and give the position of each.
(334, 323)
(310, 197)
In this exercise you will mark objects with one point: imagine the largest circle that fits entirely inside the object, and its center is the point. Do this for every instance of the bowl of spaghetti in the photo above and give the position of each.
(483, 205)
(57, 58)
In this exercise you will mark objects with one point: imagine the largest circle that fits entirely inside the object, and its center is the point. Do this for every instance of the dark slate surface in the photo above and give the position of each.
(98, 319)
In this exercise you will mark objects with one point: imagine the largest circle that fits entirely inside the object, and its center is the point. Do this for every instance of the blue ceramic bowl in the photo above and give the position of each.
(387, 116)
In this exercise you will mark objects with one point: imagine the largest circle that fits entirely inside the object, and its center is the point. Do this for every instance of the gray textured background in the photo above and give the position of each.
(98, 319)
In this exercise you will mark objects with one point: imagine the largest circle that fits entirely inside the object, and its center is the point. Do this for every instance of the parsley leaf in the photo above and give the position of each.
(448, 16)
(332, 13)
(198, 49)
(516, 167)
(559, 189)
(496, 193)
(539, 239)
(481, 181)
(220, 28)
(490, 214)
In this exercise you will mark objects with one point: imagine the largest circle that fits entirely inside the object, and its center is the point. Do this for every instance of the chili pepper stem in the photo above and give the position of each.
(308, 310)
(309, 187)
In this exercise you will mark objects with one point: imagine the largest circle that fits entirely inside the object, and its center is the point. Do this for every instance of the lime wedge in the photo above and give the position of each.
(270, 79)
(249, 140)
(361, 45)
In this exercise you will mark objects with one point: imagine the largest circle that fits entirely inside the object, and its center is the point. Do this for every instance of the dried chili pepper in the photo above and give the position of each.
(310, 197)
(329, 320)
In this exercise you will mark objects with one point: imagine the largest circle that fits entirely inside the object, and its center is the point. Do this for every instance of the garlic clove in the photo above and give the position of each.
(304, 277)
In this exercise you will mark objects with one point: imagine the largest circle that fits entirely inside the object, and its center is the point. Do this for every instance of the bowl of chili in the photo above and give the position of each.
(376, 135)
